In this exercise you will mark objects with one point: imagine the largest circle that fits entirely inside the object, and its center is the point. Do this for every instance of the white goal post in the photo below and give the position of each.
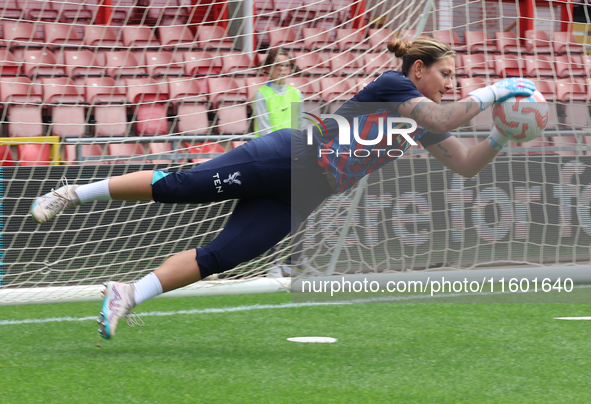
(88, 92)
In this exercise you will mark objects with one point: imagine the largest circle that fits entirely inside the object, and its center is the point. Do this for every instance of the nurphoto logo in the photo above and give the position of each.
(394, 127)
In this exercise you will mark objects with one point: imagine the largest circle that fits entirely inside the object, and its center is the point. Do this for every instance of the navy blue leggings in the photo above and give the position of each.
(278, 184)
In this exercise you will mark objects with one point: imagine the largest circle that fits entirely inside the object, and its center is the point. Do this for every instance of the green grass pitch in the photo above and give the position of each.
(386, 353)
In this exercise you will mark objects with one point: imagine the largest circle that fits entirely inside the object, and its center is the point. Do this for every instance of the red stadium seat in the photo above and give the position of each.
(509, 67)
(160, 63)
(109, 110)
(507, 42)
(567, 91)
(39, 62)
(123, 63)
(451, 38)
(265, 19)
(21, 34)
(284, 38)
(8, 64)
(212, 37)
(166, 12)
(346, 64)
(101, 36)
(537, 42)
(351, 39)
(478, 64)
(228, 97)
(177, 37)
(201, 63)
(317, 38)
(122, 11)
(122, 153)
(479, 41)
(67, 106)
(298, 14)
(565, 42)
(377, 63)
(538, 66)
(139, 36)
(61, 35)
(210, 148)
(226, 89)
(87, 150)
(325, 18)
(151, 113)
(378, 38)
(570, 66)
(74, 13)
(311, 63)
(13, 11)
(79, 64)
(24, 106)
(586, 61)
(238, 64)
(190, 106)
(40, 10)
(33, 154)
(6, 158)
(343, 9)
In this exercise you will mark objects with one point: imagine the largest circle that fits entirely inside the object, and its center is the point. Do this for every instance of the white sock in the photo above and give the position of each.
(97, 191)
(147, 287)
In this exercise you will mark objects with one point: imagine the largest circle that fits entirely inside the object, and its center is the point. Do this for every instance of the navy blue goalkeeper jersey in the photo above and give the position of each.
(348, 163)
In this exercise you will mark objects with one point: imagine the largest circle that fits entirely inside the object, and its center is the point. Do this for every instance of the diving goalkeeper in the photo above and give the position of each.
(279, 179)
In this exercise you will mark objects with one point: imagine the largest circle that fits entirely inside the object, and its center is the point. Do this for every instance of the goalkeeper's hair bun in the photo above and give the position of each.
(427, 50)
(399, 47)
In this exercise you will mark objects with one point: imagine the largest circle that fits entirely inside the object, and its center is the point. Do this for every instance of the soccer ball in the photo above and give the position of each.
(522, 118)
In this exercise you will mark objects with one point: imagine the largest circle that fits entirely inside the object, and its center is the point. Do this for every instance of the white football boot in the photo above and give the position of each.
(46, 207)
(117, 303)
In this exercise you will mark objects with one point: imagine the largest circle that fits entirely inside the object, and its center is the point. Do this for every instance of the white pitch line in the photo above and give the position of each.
(274, 306)
(172, 313)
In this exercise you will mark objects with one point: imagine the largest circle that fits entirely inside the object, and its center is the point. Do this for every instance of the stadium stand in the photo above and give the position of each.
(67, 106)
(24, 103)
(479, 41)
(507, 42)
(537, 42)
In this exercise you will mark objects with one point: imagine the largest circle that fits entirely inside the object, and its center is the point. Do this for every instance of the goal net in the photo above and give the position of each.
(92, 90)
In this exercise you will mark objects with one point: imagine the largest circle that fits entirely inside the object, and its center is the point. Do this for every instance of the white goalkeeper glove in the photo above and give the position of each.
(496, 139)
(501, 90)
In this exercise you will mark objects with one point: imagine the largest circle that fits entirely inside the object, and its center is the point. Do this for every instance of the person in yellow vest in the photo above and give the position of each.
(272, 103)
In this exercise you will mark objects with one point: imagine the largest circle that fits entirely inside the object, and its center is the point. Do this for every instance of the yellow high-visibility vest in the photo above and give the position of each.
(279, 107)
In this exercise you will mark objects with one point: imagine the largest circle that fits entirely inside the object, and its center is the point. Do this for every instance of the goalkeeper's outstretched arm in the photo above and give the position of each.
(465, 161)
(441, 118)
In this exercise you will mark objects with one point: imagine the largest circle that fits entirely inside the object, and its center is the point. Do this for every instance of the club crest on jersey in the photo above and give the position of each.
(232, 179)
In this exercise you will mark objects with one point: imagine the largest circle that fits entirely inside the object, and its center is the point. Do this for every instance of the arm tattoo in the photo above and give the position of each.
(445, 152)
